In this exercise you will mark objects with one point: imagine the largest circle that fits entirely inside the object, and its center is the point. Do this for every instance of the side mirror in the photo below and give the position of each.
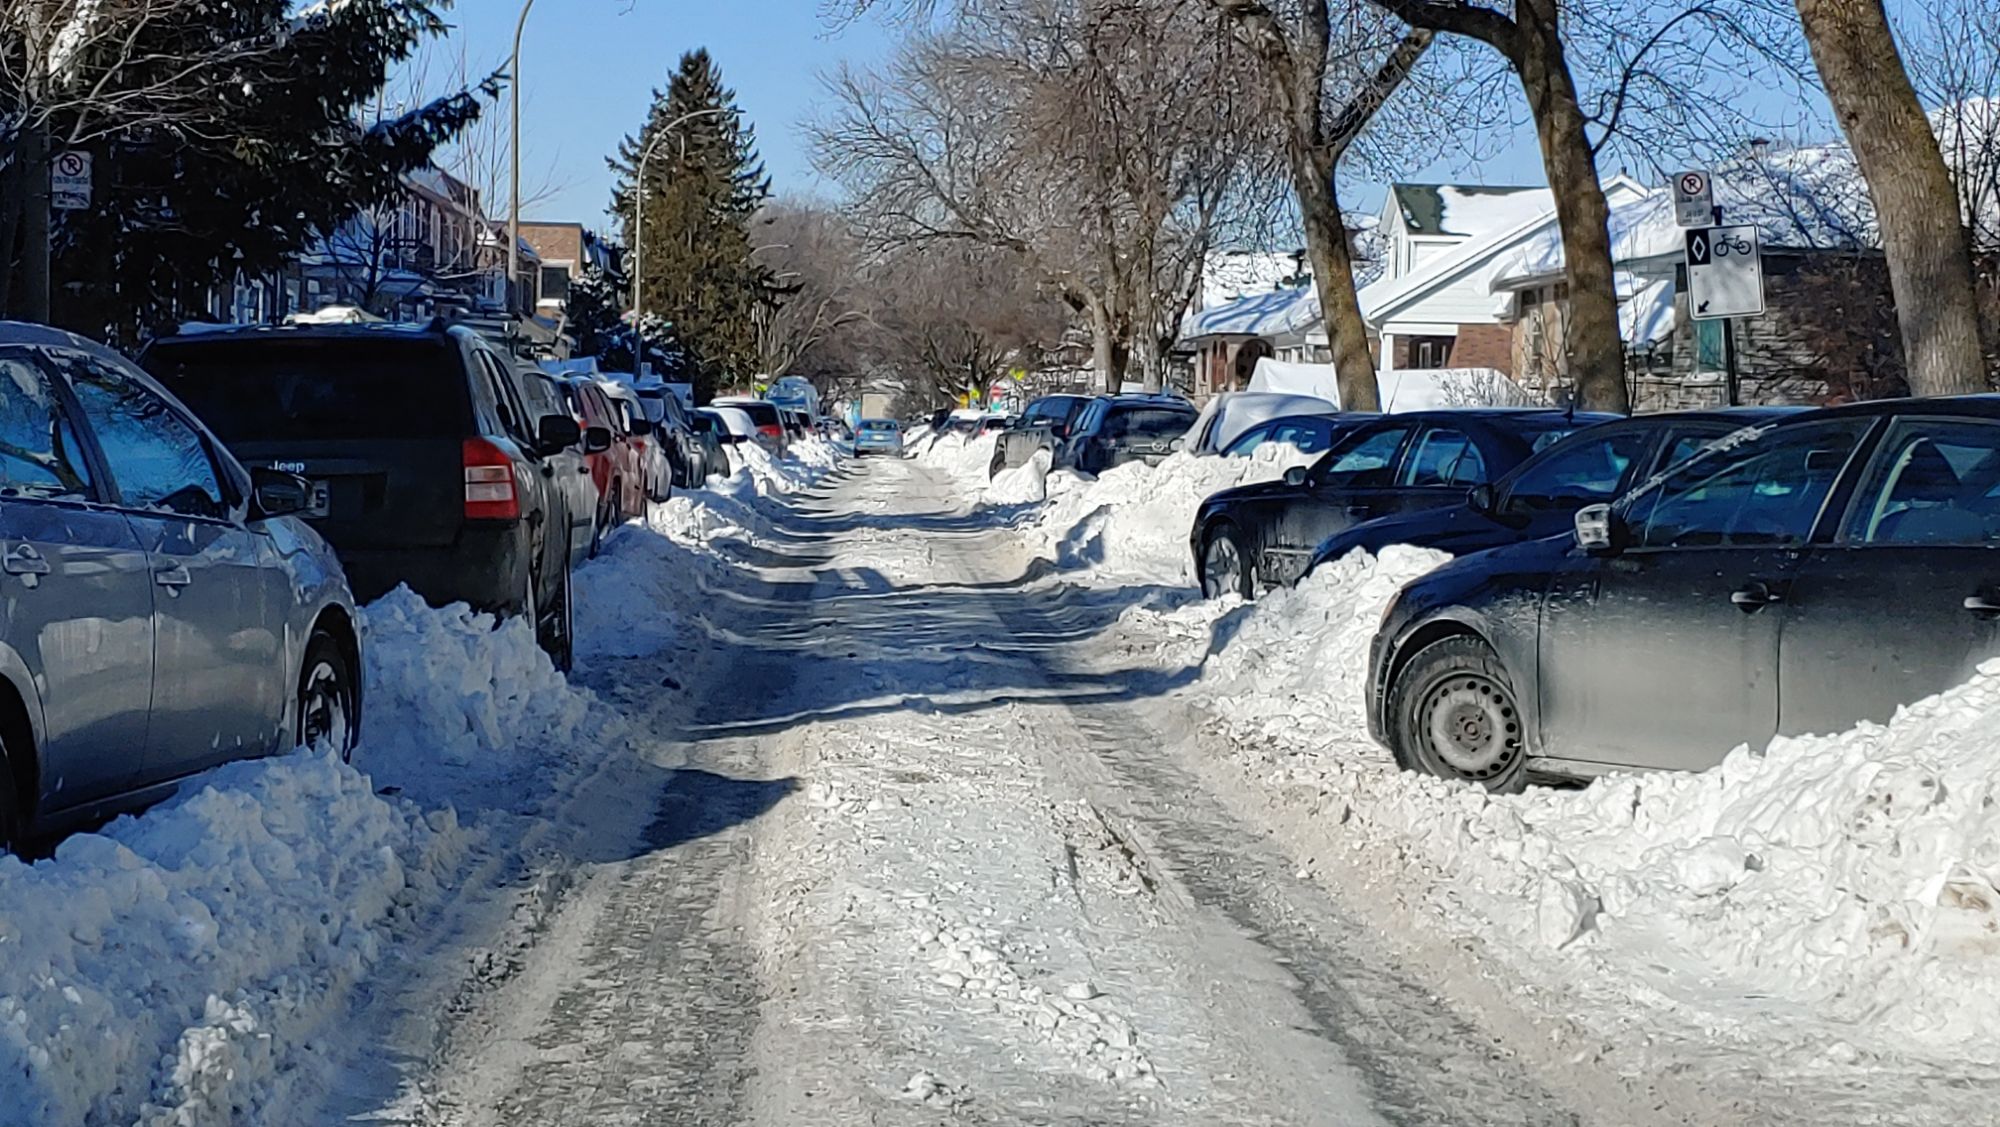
(556, 433)
(641, 428)
(1596, 527)
(596, 440)
(1177, 445)
(702, 424)
(1481, 498)
(275, 493)
(1295, 476)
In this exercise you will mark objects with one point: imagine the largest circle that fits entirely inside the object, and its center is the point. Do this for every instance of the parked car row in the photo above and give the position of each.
(1651, 592)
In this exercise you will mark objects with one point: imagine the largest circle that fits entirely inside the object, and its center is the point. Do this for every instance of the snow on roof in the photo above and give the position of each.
(1236, 274)
(1805, 197)
(1645, 309)
(1268, 314)
(1468, 210)
(1401, 390)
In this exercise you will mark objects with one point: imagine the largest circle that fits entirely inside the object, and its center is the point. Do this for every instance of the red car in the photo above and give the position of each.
(615, 467)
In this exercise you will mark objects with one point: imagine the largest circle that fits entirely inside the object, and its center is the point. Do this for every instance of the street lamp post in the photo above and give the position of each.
(639, 198)
(514, 161)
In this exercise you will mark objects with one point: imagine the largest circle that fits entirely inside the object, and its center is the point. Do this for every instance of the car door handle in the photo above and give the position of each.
(1754, 596)
(23, 559)
(1982, 606)
(173, 578)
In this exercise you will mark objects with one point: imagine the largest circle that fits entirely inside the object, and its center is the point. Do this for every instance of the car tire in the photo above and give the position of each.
(1225, 565)
(329, 702)
(555, 627)
(1453, 714)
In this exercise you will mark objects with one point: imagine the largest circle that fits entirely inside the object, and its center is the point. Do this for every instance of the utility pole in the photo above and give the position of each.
(514, 158)
(639, 199)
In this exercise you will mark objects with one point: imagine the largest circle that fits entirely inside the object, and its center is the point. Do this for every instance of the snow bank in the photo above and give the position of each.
(146, 970)
(1023, 485)
(152, 972)
(452, 702)
(1846, 880)
(965, 459)
(1131, 524)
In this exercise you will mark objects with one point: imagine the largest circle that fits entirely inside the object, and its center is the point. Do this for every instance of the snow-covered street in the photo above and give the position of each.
(884, 796)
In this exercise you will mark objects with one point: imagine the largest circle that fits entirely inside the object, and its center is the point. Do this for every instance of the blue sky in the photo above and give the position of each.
(589, 68)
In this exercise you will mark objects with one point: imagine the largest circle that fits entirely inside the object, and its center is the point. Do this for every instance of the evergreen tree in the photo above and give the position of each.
(601, 330)
(704, 184)
(283, 155)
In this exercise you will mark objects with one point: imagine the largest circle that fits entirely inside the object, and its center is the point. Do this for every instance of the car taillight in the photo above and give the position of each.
(489, 482)
(771, 432)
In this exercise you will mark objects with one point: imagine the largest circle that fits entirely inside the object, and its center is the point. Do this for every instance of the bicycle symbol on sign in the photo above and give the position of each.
(1726, 245)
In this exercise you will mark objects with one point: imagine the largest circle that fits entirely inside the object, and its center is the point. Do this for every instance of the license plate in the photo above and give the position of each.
(321, 500)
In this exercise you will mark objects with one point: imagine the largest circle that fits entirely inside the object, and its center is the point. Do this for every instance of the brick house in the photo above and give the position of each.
(565, 250)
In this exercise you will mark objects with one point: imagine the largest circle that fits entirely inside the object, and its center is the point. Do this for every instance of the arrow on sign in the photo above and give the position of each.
(1703, 308)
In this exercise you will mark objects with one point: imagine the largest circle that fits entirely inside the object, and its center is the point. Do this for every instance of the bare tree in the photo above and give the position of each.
(1952, 48)
(1916, 205)
(1621, 70)
(1100, 141)
(73, 72)
(817, 265)
(1326, 105)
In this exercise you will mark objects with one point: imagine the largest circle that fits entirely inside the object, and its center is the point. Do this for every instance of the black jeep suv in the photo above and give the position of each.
(429, 469)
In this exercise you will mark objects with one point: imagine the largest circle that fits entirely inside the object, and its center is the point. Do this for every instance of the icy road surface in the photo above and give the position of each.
(932, 859)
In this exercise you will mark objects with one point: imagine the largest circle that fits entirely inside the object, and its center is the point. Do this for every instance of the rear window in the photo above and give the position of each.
(260, 391)
(1148, 422)
(763, 414)
(883, 427)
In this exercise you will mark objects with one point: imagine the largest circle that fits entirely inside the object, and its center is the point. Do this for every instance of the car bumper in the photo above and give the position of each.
(483, 567)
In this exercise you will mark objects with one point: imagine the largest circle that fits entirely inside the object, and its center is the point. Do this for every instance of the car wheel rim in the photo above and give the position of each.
(1471, 723)
(1222, 568)
(326, 709)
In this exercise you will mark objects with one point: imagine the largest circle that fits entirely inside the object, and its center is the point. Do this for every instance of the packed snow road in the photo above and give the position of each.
(923, 865)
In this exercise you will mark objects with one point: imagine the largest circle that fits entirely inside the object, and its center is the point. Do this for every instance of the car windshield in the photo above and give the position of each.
(312, 389)
(1148, 422)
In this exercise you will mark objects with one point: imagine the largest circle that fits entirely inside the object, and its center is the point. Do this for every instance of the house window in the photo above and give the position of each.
(555, 283)
(1708, 356)
(1430, 352)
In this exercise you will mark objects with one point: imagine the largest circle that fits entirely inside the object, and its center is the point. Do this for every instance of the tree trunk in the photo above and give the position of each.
(1923, 235)
(1107, 353)
(1596, 354)
(30, 301)
(1333, 277)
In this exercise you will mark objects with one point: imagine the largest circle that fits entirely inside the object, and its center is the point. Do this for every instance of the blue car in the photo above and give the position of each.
(879, 436)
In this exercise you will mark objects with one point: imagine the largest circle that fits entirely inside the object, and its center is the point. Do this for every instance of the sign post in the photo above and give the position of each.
(69, 181)
(1725, 272)
(1694, 199)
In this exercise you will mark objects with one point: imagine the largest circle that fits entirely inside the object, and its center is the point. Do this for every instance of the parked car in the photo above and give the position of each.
(1041, 425)
(733, 427)
(656, 470)
(879, 436)
(1115, 429)
(992, 424)
(1309, 434)
(673, 430)
(1805, 575)
(545, 395)
(434, 471)
(1262, 535)
(614, 466)
(711, 449)
(798, 425)
(1228, 415)
(165, 608)
(1539, 497)
(771, 431)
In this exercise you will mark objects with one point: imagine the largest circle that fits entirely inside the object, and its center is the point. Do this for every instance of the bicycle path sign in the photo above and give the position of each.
(1725, 273)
